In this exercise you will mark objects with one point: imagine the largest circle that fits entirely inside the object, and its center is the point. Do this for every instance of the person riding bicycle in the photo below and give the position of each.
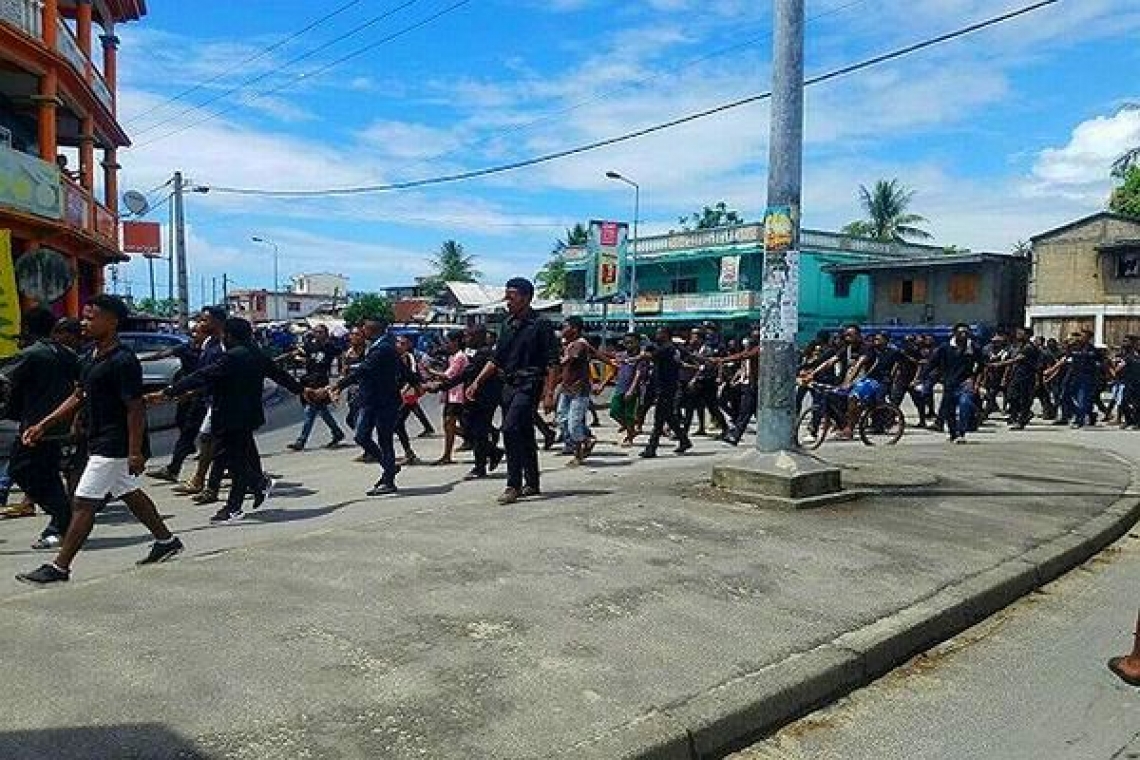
(851, 363)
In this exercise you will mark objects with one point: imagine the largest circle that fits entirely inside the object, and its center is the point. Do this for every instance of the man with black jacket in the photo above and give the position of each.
(235, 383)
(957, 364)
(379, 377)
(40, 378)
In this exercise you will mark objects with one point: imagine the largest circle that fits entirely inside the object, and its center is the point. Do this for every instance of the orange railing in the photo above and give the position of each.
(82, 212)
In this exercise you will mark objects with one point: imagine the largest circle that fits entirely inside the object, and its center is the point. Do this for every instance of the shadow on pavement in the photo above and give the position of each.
(271, 515)
(151, 741)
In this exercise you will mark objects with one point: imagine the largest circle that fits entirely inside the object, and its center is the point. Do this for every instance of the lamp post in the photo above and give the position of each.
(276, 281)
(632, 247)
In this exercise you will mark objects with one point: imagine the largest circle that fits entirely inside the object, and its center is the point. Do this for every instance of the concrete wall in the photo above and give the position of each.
(1000, 298)
(1067, 269)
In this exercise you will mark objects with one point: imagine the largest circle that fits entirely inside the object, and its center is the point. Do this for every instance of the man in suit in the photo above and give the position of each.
(379, 377)
(235, 384)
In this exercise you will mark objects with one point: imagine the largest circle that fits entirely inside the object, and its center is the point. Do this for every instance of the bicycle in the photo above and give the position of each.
(880, 423)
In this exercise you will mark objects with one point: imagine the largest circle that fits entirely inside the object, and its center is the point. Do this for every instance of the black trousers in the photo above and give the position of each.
(189, 418)
(1130, 405)
(744, 411)
(477, 430)
(243, 460)
(520, 405)
(37, 471)
(665, 412)
(1020, 397)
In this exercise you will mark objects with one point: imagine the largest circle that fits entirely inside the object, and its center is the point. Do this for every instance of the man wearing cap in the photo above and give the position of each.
(527, 357)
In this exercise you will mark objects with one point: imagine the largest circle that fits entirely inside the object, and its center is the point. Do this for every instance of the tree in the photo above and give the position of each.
(1022, 249)
(1131, 158)
(451, 264)
(1126, 198)
(551, 279)
(888, 219)
(158, 307)
(367, 305)
(717, 215)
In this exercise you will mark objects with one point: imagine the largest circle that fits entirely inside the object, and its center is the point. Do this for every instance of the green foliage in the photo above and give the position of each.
(157, 307)
(1126, 198)
(717, 215)
(451, 264)
(551, 279)
(888, 219)
(367, 305)
(1022, 248)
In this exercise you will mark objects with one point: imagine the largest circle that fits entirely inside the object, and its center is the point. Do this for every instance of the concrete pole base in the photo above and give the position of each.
(784, 479)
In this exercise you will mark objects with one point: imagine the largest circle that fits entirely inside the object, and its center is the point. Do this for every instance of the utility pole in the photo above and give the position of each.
(180, 251)
(225, 290)
(213, 289)
(775, 408)
(775, 472)
(153, 293)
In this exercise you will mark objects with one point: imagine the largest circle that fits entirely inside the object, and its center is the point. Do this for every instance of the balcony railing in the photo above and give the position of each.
(82, 212)
(32, 186)
(650, 305)
(25, 15)
(69, 48)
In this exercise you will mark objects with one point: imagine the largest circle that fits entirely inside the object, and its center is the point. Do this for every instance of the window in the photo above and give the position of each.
(908, 291)
(1128, 266)
(683, 285)
(842, 284)
(293, 305)
(964, 287)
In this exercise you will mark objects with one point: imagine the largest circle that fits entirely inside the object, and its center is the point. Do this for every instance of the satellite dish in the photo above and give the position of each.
(136, 202)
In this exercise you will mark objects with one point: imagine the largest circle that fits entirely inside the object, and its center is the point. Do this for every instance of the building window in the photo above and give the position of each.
(908, 291)
(682, 285)
(964, 288)
(842, 283)
(1128, 266)
(293, 305)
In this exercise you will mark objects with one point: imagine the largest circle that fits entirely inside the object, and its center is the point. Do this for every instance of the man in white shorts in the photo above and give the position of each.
(110, 387)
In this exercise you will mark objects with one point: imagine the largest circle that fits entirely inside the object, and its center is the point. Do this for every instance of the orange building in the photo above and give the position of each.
(59, 140)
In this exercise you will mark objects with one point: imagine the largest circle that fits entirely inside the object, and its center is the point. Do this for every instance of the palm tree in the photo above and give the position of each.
(451, 264)
(552, 277)
(887, 219)
(1131, 158)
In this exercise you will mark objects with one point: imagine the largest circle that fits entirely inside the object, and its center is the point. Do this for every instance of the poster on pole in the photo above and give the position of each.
(606, 249)
(780, 290)
(9, 299)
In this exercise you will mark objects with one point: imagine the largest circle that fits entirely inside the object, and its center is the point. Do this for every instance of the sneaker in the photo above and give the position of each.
(648, 454)
(51, 541)
(265, 493)
(224, 516)
(509, 496)
(382, 489)
(296, 446)
(44, 575)
(162, 552)
(364, 459)
(162, 473)
(496, 459)
(529, 491)
(189, 488)
(206, 496)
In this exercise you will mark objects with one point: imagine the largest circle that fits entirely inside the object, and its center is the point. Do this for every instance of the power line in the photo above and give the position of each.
(252, 58)
(502, 168)
(265, 75)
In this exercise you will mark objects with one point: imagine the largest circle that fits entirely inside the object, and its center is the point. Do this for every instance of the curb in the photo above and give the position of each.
(733, 715)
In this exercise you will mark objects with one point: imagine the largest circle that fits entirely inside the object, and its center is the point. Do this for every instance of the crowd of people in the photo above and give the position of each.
(84, 392)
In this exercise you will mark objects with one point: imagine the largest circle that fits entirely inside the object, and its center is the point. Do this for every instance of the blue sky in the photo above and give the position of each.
(1001, 135)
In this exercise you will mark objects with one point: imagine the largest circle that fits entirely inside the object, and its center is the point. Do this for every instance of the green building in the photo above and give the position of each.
(685, 278)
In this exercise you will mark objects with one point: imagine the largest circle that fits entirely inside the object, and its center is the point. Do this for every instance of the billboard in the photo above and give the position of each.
(605, 252)
(142, 237)
(9, 300)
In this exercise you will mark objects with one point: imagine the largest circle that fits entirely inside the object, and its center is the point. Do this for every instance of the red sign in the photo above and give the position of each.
(142, 237)
(609, 234)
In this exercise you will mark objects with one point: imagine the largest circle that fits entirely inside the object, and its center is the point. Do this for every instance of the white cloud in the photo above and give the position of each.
(1085, 161)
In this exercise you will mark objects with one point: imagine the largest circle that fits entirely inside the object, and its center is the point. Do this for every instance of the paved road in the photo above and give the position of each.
(1028, 683)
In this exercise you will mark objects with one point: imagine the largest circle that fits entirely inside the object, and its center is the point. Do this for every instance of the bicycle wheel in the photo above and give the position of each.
(812, 429)
(881, 425)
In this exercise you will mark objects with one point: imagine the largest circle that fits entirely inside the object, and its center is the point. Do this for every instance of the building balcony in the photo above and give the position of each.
(27, 16)
(36, 189)
(689, 306)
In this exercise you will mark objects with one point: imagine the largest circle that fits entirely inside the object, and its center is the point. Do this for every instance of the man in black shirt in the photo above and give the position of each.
(40, 378)
(191, 408)
(957, 364)
(1128, 374)
(1086, 364)
(110, 386)
(478, 412)
(665, 384)
(319, 354)
(527, 357)
(1023, 365)
(235, 383)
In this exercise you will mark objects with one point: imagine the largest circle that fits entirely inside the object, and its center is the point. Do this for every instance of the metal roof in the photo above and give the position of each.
(921, 262)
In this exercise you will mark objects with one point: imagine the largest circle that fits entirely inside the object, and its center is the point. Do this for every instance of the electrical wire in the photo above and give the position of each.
(547, 158)
(246, 61)
(265, 75)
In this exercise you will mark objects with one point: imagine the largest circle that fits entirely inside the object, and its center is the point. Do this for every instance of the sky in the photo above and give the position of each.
(1001, 135)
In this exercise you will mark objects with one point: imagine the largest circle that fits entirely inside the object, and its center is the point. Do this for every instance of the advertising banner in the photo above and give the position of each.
(606, 250)
(729, 272)
(9, 299)
(142, 237)
(29, 184)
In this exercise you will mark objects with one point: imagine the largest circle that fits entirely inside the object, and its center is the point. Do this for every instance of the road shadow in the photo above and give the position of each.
(151, 741)
(277, 515)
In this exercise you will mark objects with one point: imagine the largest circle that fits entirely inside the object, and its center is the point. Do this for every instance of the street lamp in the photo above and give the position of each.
(276, 281)
(632, 249)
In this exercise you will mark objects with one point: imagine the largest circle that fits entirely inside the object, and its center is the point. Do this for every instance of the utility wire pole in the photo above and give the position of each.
(180, 251)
